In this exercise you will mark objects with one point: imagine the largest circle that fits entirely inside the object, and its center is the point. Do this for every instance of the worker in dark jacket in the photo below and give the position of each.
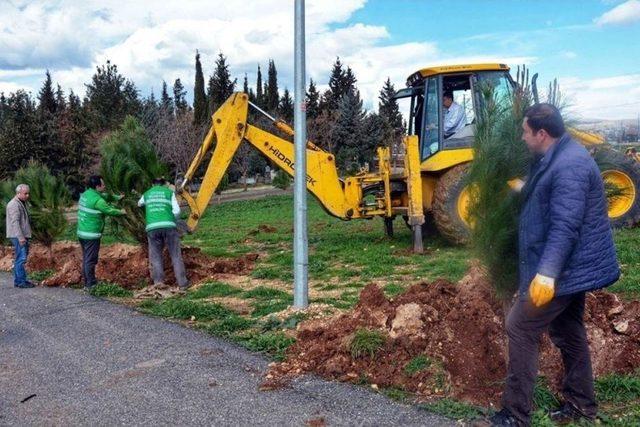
(565, 249)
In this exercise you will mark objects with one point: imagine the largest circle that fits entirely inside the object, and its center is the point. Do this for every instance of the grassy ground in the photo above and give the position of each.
(343, 257)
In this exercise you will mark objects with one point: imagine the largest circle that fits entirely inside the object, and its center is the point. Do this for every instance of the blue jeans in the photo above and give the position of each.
(21, 252)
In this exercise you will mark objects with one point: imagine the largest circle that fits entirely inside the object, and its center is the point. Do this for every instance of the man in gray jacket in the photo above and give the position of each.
(19, 232)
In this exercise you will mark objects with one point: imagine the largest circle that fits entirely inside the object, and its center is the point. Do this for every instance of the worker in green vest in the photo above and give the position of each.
(161, 212)
(92, 207)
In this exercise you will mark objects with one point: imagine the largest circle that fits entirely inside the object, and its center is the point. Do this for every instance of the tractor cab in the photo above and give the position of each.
(437, 130)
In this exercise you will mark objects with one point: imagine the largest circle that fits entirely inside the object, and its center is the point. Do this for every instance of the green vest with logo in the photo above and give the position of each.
(158, 208)
(90, 219)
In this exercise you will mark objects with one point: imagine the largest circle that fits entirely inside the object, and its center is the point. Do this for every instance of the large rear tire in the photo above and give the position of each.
(450, 205)
(621, 175)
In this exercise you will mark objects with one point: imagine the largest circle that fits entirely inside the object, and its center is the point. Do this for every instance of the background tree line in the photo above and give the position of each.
(65, 133)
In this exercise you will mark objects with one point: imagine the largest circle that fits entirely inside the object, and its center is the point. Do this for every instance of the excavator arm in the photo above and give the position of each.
(230, 128)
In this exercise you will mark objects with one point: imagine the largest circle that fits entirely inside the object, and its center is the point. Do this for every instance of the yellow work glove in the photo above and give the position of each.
(541, 290)
(515, 184)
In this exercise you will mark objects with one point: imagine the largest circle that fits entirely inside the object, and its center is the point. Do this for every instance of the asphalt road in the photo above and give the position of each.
(67, 358)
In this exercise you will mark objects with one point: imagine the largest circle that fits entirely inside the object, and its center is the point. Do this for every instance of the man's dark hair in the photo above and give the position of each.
(547, 117)
(448, 94)
(94, 181)
(159, 181)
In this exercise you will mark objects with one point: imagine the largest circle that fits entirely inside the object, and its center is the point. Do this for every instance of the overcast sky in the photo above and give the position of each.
(592, 46)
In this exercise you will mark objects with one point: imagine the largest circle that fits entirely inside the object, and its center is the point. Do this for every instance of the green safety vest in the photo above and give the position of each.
(158, 208)
(91, 210)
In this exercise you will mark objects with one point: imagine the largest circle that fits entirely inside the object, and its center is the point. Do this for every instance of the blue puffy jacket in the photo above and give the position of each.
(564, 229)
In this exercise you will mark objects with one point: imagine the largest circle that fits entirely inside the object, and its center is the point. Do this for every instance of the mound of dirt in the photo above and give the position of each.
(126, 265)
(455, 332)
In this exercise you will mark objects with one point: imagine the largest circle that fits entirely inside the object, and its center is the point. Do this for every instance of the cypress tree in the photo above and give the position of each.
(200, 115)
(272, 94)
(259, 89)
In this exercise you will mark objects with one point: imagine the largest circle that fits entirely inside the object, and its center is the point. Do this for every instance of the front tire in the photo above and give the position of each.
(450, 205)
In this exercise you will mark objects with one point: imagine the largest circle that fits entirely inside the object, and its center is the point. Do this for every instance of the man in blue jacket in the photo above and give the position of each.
(565, 249)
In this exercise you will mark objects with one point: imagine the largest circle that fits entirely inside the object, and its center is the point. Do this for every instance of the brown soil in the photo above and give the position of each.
(460, 329)
(123, 264)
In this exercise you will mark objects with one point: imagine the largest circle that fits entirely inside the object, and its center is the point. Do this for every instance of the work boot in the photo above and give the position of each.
(568, 413)
(25, 285)
(503, 418)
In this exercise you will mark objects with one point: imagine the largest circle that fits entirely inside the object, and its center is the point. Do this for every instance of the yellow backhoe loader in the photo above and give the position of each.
(427, 184)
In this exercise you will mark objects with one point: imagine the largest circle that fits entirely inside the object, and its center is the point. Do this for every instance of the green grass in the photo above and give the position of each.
(393, 289)
(453, 409)
(266, 300)
(366, 343)
(397, 394)
(629, 257)
(543, 398)
(40, 275)
(274, 344)
(618, 388)
(366, 254)
(103, 289)
(416, 365)
(213, 289)
(273, 323)
(263, 308)
(229, 325)
(183, 309)
(264, 293)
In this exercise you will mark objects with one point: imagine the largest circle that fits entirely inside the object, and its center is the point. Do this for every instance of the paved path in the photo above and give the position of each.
(67, 358)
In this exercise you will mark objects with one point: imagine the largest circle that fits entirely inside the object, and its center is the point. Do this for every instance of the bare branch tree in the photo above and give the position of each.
(176, 139)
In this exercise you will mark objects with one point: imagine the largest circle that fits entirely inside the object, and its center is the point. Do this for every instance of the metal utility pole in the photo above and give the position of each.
(300, 241)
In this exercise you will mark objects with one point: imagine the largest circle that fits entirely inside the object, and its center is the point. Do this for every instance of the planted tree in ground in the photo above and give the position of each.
(129, 164)
(48, 199)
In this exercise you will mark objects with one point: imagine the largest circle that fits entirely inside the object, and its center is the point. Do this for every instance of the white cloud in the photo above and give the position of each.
(625, 13)
(613, 98)
(9, 87)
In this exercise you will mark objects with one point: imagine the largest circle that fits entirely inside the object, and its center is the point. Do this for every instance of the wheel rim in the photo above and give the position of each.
(621, 193)
(464, 200)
